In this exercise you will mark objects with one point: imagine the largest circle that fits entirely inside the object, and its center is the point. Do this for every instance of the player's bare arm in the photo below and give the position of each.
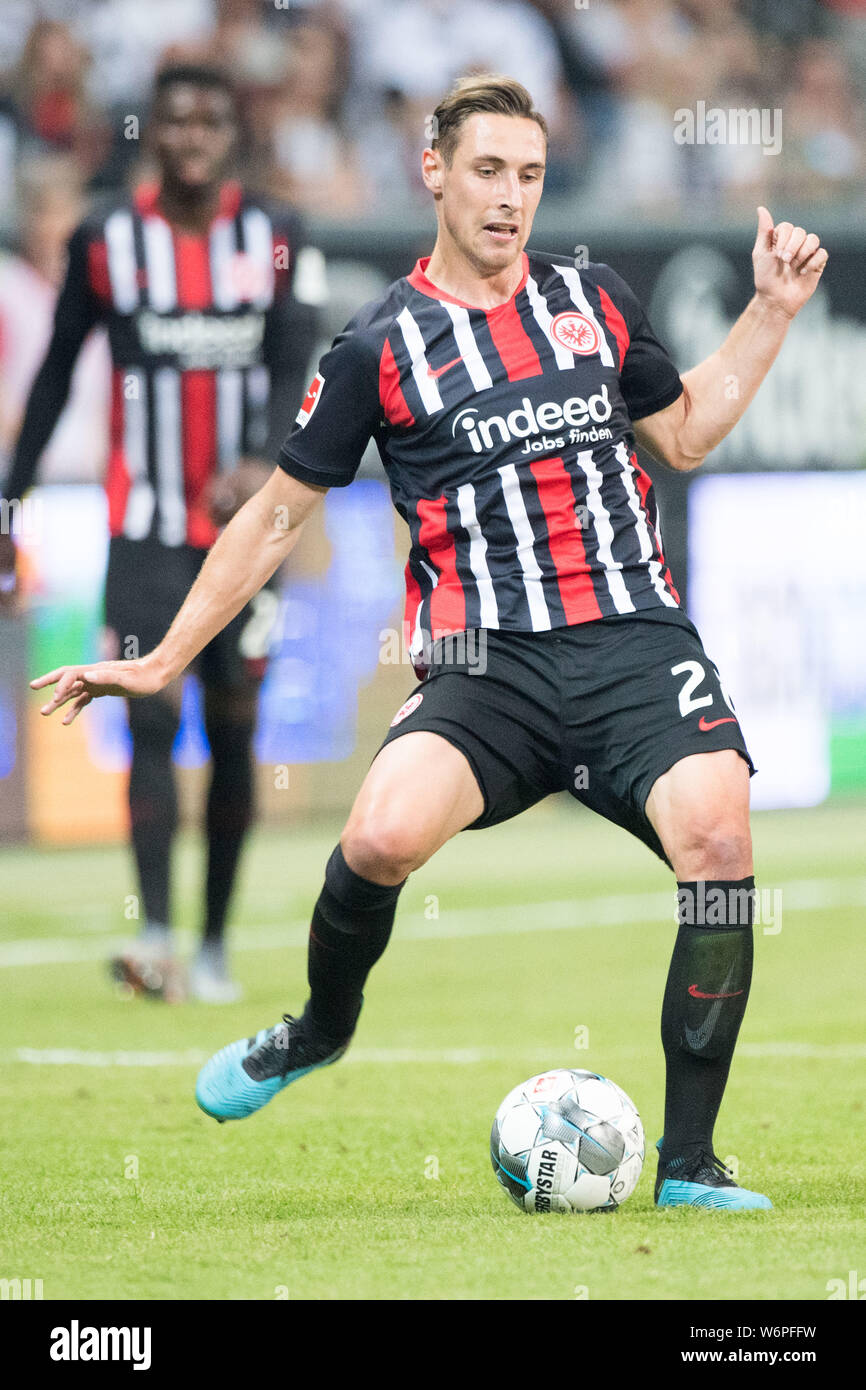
(253, 545)
(788, 263)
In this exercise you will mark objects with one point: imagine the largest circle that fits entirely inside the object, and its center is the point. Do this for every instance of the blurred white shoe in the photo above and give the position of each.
(209, 980)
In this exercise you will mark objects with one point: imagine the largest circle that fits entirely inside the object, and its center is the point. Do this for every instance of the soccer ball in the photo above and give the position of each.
(567, 1141)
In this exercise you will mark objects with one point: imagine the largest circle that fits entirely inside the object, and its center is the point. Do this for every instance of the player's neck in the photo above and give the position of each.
(189, 210)
(452, 273)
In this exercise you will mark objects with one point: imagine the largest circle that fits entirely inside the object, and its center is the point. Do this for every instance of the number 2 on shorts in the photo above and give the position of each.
(689, 701)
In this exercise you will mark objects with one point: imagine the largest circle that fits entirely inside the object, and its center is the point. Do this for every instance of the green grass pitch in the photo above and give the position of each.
(372, 1180)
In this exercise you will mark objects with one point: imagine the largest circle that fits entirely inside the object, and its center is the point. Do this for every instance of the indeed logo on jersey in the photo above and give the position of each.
(203, 340)
(526, 420)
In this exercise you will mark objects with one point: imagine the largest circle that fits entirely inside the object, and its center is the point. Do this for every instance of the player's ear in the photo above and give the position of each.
(432, 170)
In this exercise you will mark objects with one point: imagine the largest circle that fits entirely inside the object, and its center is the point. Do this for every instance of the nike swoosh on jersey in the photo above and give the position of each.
(438, 371)
(714, 723)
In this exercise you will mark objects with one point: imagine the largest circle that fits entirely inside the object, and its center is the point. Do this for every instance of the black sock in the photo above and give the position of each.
(228, 818)
(351, 927)
(153, 802)
(704, 1003)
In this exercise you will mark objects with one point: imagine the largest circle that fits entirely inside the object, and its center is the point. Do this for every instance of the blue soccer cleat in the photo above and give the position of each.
(703, 1181)
(244, 1076)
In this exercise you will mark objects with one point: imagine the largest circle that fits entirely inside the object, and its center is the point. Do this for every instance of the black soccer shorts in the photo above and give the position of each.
(146, 583)
(599, 710)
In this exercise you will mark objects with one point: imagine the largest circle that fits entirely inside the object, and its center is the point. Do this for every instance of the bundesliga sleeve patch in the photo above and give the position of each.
(310, 401)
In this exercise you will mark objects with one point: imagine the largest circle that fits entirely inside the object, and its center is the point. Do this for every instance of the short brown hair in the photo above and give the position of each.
(502, 96)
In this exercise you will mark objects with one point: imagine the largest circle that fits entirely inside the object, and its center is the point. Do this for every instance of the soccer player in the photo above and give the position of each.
(208, 295)
(505, 391)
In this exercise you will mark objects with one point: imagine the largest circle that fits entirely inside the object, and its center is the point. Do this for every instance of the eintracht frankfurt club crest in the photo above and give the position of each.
(575, 332)
(411, 704)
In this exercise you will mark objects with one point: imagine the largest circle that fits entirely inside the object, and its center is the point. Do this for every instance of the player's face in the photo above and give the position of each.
(194, 132)
(491, 189)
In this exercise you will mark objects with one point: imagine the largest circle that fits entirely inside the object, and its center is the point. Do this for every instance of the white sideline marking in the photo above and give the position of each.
(408, 1056)
(609, 910)
(455, 1056)
(73, 1057)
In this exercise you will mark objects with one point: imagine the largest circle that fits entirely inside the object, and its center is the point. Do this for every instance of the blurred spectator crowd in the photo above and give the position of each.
(337, 94)
(336, 98)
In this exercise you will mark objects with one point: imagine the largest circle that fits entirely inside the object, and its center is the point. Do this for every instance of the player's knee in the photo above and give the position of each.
(231, 745)
(714, 848)
(153, 722)
(227, 706)
(383, 849)
(152, 790)
(231, 801)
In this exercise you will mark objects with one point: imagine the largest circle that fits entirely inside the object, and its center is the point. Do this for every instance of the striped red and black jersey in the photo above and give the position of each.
(507, 437)
(203, 329)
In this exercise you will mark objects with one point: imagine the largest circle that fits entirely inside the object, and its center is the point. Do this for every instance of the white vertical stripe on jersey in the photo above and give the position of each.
(429, 570)
(427, 388)
(140, 502)
(310, 277)
(169, 457)
(230, 416)
(538, 610)
(223, 248)
(416, 644)
(122, 270)
(259, 245)
(465, 338)
(544, 318)
(604, 534)
(478, 556)
(642, 528)
(258, 390)
(575, 289)
(159, 264)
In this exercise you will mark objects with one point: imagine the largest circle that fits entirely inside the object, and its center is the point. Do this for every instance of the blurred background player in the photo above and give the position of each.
(211, 314)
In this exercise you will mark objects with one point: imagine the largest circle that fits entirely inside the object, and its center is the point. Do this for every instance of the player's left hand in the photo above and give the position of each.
(788, 262)
(227, 492)
(79, 685)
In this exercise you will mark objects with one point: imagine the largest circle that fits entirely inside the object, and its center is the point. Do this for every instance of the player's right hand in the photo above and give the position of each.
(8, 575)
(81, 684)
